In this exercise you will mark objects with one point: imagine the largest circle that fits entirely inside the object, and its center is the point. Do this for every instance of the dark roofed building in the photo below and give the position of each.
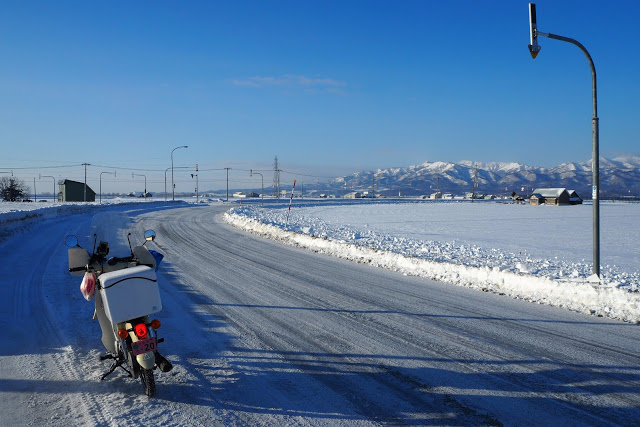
(73, 191)
(574, 199)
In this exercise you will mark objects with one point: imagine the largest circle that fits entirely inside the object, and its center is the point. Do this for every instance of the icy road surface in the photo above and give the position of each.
(266, 334)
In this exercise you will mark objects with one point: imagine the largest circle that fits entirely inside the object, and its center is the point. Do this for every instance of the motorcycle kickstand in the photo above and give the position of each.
(116, 363)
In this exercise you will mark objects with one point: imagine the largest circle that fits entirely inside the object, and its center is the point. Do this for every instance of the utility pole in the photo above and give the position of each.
(373, 186)
(475, 181)
(227, 183)
(534, 49)
(85, 180)
(35, 193)
(196, 175)
(276, 178)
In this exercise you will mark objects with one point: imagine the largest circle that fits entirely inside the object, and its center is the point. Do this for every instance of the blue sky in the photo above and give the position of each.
(329, 87)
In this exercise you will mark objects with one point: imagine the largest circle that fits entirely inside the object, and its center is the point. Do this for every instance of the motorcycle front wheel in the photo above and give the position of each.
(148, 382)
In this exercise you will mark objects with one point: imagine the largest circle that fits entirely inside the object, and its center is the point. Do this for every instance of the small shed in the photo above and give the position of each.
(536, 199)
(74, 191)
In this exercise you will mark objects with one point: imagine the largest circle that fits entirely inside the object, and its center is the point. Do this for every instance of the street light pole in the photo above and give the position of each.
(145, 182)
(173, 186)
(110, 173)
(595, 129)
(165, 179)
(227, 183)
(251, 172)
(54, 184)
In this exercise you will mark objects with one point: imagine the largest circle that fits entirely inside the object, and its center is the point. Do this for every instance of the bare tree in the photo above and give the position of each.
(12, 189)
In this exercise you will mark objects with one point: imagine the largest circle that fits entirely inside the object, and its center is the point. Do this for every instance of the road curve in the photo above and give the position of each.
(287, 336)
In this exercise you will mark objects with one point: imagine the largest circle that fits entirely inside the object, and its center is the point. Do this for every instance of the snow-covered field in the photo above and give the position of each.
(537, 253)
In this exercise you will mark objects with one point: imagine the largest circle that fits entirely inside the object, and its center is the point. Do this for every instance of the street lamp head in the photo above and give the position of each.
(534, 48)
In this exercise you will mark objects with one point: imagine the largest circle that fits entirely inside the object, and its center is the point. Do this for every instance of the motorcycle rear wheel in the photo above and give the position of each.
(148, 382)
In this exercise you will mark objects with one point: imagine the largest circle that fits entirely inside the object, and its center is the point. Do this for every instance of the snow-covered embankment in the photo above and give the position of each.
(570, 291)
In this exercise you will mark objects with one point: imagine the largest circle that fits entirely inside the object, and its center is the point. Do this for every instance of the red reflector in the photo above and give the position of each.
(141, 330)
(155, 324)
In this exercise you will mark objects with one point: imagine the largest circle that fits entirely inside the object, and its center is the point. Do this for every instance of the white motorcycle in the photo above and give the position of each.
(126, 293)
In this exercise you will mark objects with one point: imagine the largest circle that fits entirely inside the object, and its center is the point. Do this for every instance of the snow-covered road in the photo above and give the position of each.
(267, 334)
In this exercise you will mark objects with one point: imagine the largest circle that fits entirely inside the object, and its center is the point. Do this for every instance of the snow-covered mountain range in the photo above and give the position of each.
(619, 177)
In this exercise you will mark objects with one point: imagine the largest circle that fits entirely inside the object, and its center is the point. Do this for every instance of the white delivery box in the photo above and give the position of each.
(130, 293)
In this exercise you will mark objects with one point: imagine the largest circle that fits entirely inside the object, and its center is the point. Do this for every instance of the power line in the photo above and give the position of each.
(43, 167)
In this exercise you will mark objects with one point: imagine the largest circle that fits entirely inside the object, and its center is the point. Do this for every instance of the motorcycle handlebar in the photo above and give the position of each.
(114, 260)
(71, 270)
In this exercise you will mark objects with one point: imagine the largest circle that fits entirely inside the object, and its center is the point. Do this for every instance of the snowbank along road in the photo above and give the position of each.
(266, 334)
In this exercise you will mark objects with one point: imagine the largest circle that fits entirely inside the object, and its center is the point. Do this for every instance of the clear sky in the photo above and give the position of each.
(330, 87)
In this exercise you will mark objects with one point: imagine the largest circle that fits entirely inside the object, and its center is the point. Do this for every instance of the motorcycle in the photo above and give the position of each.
(126, 293)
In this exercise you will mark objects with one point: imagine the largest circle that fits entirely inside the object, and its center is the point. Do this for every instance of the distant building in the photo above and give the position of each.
(554, 196)
(436, 195)
(574, 199)
(73, 191)
(353, 195)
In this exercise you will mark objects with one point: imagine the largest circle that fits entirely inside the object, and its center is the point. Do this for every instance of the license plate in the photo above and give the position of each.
(144, 346)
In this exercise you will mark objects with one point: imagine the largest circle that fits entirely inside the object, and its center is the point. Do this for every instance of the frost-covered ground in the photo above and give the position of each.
(537, 253)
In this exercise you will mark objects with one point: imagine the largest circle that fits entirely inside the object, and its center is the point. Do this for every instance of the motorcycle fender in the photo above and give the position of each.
(146, 360)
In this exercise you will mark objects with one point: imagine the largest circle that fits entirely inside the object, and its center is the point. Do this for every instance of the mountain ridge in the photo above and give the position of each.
(619, 177)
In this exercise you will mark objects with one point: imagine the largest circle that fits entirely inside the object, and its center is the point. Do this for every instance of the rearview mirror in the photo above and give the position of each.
(71, 241)
(149, 235)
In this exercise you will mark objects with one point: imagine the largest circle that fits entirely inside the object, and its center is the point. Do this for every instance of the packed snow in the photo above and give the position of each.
(537, 253)
(265, 334)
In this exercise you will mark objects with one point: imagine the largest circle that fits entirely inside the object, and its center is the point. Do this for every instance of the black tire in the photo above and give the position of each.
(148, 381)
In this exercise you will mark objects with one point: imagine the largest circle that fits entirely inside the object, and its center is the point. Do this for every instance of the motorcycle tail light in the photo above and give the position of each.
(155, 324)
(122, 333)
(141, 330)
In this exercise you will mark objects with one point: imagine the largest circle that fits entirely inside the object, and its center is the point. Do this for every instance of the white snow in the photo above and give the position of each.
(257, 345)
(537, 253)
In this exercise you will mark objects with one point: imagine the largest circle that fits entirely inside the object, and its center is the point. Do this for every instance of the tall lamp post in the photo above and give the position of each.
(251, 172)
(173, 186)
(145, 182)
(110, 173)
(534, 49)
(53, 195)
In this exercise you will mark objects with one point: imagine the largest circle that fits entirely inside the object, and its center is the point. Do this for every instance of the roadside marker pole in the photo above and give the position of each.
(290, 199)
